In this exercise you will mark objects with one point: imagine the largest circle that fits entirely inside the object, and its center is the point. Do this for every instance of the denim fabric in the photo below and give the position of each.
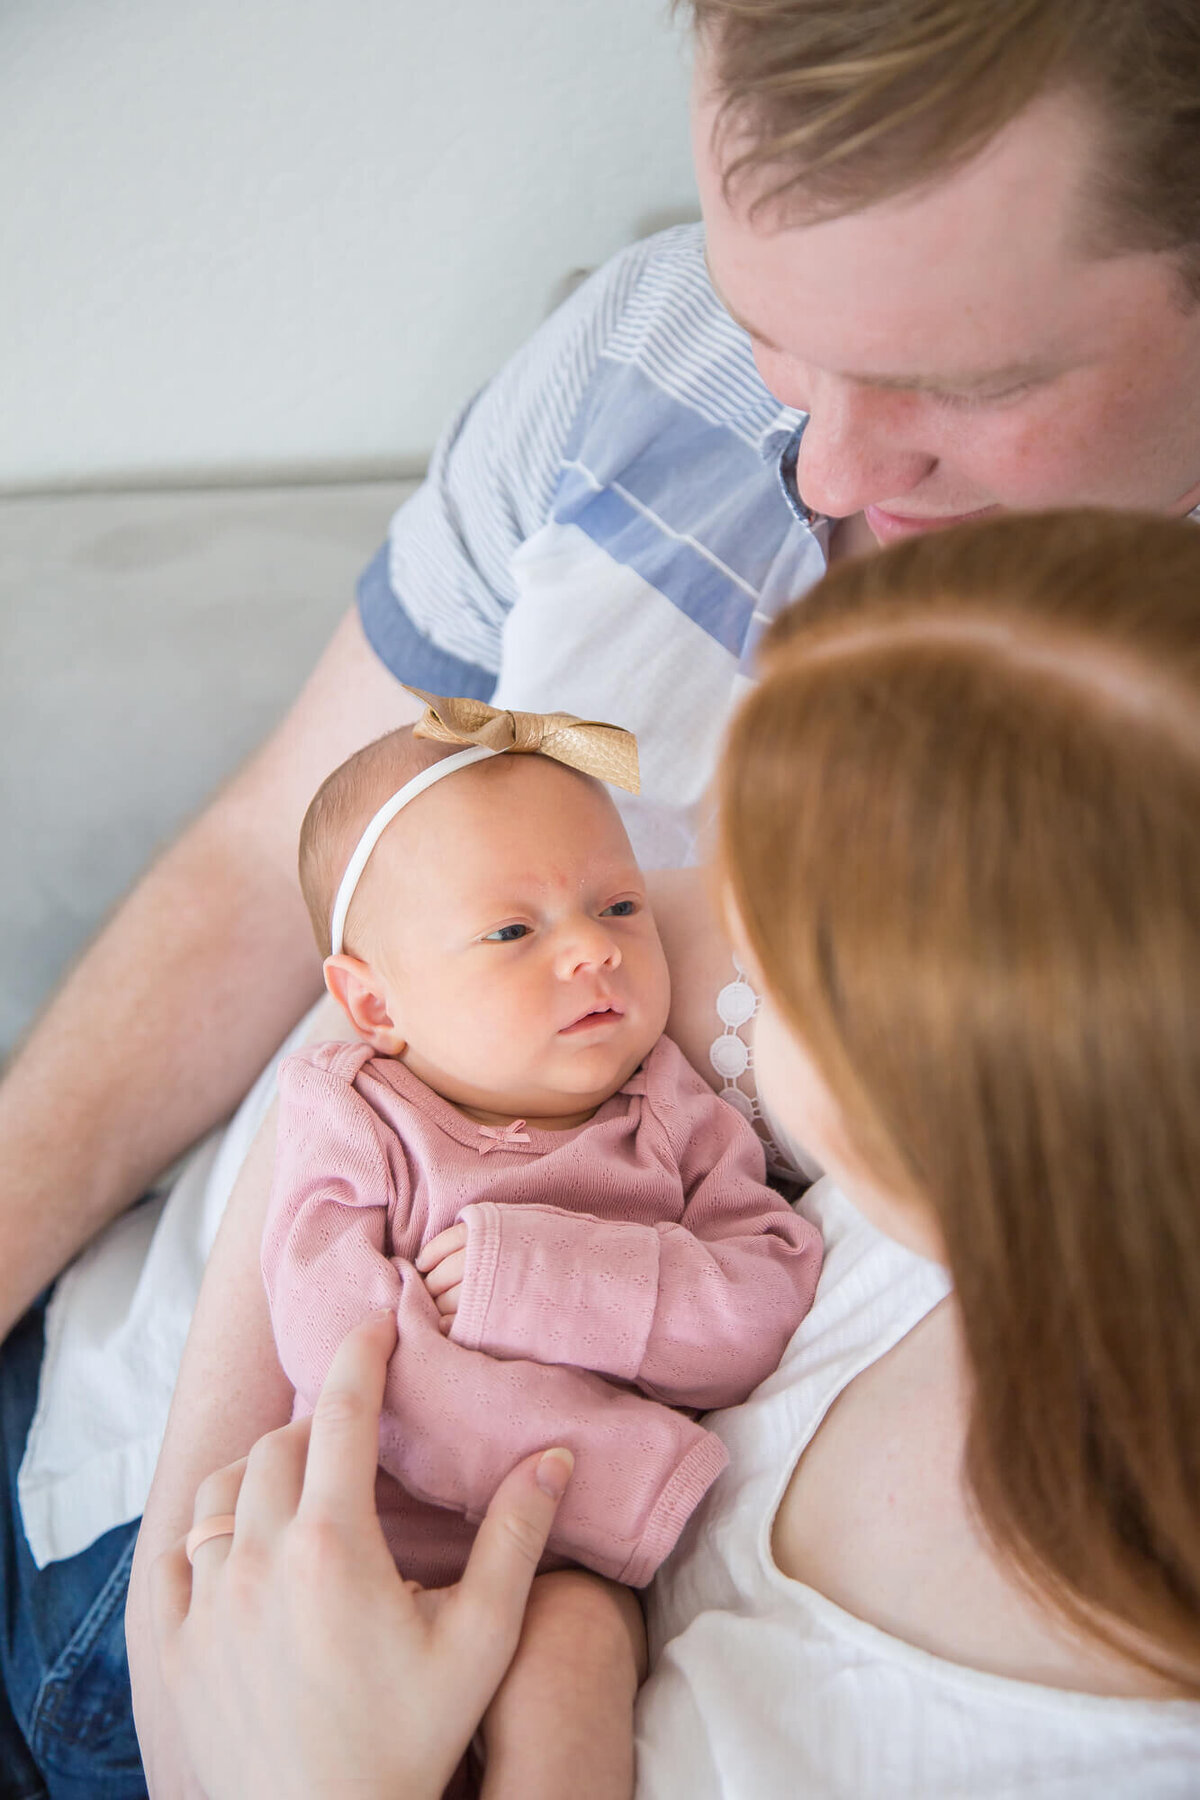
(66, 1721)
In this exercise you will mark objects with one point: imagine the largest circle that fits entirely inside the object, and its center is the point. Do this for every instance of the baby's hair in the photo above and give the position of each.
(344, 805)
(961, 830)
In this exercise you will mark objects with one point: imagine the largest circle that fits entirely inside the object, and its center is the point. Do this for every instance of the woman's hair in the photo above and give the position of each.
(831, 105)
(961, 830)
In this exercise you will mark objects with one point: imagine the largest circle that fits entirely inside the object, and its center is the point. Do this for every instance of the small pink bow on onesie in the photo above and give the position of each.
(502, 1137)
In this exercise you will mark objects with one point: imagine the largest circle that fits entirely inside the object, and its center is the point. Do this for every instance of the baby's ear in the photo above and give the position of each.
(361, 995)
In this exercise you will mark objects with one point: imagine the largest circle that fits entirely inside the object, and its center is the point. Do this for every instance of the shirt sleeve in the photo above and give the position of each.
(456, 1421)
(434, 600)
(696, 1313)
(324, 1255)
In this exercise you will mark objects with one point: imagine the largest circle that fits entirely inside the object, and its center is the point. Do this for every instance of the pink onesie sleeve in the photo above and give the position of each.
(696, 1313)
(323, 1258)
(455, 1421)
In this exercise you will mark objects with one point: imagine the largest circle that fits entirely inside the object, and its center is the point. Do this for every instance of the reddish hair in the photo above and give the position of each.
(961, 828)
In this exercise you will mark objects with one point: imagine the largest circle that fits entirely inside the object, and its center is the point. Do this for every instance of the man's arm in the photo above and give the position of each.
(161, 1027)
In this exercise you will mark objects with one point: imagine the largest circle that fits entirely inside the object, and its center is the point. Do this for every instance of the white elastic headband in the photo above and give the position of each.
(379, 824)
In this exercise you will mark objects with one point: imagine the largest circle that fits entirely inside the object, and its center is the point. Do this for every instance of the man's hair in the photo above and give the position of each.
(831, 105)
(960, 830)
(342, 808)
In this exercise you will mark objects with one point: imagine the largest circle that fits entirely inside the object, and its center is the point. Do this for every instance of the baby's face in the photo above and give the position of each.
(507, 921)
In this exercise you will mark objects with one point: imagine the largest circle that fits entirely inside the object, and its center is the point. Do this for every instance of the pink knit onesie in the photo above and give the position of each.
(615, 1272)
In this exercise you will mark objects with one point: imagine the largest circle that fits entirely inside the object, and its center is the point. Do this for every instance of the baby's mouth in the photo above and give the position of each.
(594, 1017)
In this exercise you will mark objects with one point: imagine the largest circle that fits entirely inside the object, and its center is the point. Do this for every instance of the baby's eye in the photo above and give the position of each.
(620, 909)
(507, 934)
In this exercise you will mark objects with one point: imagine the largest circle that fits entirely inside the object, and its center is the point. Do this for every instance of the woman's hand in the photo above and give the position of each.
(298, 1661)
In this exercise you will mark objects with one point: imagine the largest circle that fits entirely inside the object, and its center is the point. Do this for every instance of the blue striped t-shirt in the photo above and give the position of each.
(607, 528)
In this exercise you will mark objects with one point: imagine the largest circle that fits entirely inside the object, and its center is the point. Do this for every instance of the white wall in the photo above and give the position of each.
(272, 236)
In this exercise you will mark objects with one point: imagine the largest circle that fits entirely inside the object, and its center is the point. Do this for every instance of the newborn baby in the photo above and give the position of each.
(574, 1232)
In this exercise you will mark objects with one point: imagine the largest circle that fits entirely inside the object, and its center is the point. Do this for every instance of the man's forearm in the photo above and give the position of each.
(182, 998)
(153, 1037)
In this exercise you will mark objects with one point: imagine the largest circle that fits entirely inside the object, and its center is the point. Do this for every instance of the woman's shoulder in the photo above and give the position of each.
(872, 1292)
(835, 1584)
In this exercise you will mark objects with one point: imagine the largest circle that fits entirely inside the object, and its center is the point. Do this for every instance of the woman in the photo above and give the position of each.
(959, 1549)
(958, 1546)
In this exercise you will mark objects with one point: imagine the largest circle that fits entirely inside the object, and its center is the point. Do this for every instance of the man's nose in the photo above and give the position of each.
(586, 944)
(858, 448)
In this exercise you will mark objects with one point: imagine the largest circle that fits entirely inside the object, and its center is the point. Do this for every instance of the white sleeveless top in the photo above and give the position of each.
(762, 1688)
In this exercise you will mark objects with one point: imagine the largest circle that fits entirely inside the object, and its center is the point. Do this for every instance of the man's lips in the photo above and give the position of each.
(888, 526)
(593, 1019)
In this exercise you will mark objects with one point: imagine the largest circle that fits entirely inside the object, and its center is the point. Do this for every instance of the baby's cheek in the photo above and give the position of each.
(491, 1030)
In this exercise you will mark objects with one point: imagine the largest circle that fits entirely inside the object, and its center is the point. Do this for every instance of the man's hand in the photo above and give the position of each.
(297, 1659)
(443, 1263)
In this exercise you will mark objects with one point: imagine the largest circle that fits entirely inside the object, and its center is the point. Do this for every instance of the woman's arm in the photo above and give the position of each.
(231, 1390)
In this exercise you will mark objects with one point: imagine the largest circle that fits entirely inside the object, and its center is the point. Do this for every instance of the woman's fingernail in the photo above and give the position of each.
(554, 1472)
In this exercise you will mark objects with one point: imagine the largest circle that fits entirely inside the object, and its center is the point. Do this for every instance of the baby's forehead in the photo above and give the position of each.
(512, 787)
(500, 820)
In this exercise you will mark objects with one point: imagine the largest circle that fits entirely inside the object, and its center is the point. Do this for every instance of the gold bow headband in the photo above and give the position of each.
(606, 751)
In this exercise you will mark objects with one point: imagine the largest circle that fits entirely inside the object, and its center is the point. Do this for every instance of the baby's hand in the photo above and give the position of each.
(443, 1262)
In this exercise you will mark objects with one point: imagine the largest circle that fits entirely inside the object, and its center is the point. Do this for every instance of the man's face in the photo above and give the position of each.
(957, 350)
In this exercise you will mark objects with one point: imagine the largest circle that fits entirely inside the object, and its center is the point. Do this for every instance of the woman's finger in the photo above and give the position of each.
(170, 1592)
(218, 1492)
(343, 1448)
(273, 1482)
(509, 1544)
(216, 1498)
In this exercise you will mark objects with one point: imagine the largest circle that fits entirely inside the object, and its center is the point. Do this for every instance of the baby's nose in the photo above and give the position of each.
(588, 945)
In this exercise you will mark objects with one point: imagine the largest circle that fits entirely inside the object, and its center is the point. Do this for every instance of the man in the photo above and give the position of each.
(963, 258)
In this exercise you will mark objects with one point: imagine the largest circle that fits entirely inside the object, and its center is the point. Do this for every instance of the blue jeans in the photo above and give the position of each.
(66, 1720)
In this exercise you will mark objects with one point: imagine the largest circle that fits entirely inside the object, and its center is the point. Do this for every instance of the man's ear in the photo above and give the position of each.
(360, 993)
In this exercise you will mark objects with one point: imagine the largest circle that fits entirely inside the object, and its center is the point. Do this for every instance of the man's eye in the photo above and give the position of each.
(999, 397)
(620, 909)
(507, 934)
